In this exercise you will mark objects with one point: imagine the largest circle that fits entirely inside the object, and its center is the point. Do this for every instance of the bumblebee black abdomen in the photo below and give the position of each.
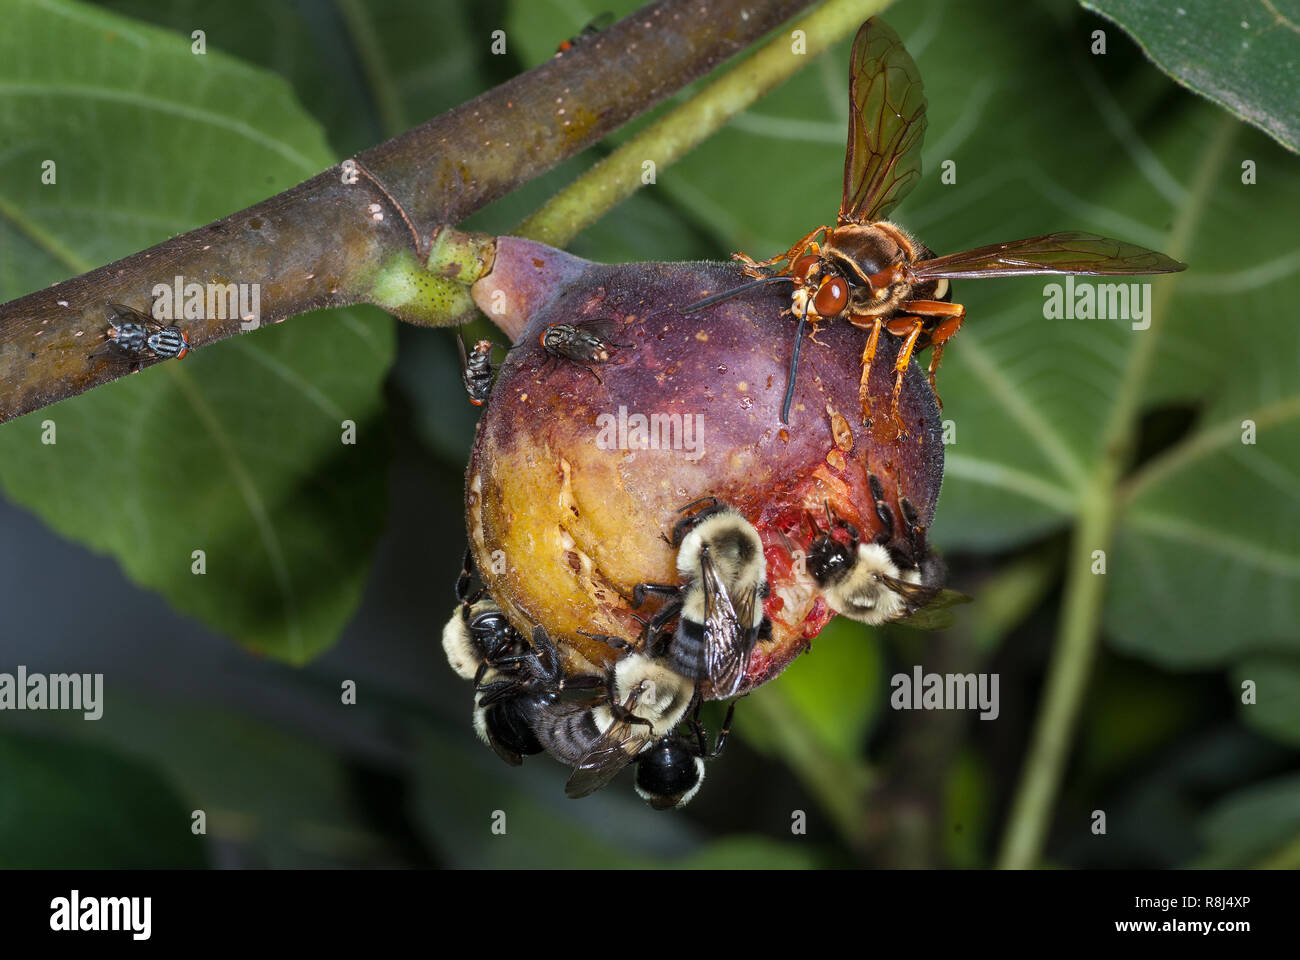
(508, 723)
(565, 730)
(686, 655)
(667, 773)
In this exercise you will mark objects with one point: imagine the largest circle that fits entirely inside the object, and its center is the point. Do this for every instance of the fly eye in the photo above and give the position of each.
(803, 265)
(832, 297)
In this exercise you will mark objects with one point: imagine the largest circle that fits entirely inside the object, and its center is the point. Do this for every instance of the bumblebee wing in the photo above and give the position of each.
(886, 125)
(1070, 252)
(929, 605)
(724, 632)
(616, 748)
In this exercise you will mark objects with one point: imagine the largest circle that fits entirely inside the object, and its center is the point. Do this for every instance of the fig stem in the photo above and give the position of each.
(616, 177)
(1100, 507)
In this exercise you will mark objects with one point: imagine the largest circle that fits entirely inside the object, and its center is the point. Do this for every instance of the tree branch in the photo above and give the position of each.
(363, 231)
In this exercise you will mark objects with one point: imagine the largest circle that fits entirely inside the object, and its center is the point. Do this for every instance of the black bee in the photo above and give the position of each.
(585, 343)
(511, 695)
(478, 637)
(896, 577)
(511, 676)
(644, 701)
(719, 605)
(670, 773)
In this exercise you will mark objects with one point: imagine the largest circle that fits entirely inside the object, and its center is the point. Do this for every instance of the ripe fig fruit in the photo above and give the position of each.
(579, 471)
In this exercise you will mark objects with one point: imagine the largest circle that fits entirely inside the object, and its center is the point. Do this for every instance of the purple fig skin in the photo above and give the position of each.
(564, 522)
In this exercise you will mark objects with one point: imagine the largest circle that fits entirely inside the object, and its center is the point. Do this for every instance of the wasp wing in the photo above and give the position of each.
(886, 125)
(726, 631)
(1071, 252)
(615, 749)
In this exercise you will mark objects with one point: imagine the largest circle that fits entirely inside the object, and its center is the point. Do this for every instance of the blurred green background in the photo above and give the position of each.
(223, 691)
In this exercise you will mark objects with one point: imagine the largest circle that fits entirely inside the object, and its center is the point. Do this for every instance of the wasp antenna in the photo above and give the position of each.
(794, 369)
(733, 292)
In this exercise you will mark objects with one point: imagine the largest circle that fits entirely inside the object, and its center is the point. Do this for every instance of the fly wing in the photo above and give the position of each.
(725, 632)
(882, 162)
(121, 313)
(1069, 252)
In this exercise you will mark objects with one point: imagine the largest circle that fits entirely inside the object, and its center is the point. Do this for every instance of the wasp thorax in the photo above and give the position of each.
(864, 254)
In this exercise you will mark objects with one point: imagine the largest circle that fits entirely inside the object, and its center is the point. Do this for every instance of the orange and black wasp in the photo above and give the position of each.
(872, 272)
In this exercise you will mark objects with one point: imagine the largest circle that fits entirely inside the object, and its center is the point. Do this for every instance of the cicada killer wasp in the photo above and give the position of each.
(872, 272)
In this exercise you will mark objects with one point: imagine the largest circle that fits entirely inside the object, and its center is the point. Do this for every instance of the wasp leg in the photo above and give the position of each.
(754, 267)
(950, 316)
(909, 327)
(868, 356)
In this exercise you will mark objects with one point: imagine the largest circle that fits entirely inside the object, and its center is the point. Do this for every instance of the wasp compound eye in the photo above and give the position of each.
(832, 297)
